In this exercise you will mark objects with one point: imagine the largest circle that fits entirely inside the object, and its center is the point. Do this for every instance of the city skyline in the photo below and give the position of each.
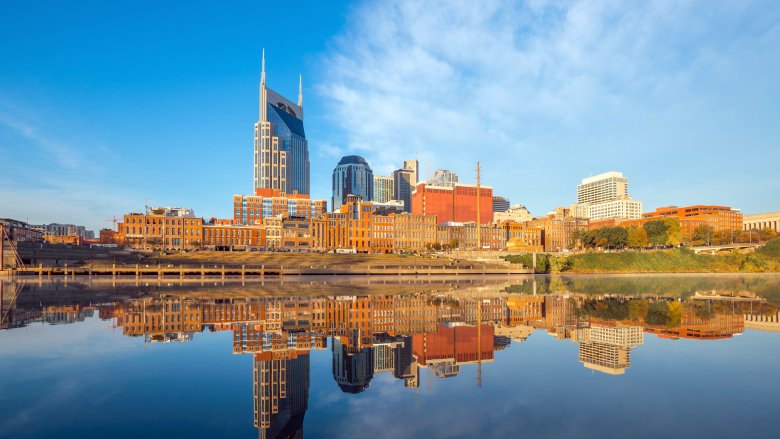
(109, 124)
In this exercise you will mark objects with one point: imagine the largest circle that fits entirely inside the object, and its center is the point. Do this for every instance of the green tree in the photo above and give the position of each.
(703, 235)
(656, 232)
(673, 232)
(637, 237)
(637, 310)
(657, 313)
(674, 314)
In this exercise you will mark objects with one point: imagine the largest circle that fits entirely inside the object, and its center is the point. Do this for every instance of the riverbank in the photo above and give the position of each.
(210, 264)
(764, 260)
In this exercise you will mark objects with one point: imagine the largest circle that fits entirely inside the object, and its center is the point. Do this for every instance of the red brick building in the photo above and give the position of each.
(453, 204)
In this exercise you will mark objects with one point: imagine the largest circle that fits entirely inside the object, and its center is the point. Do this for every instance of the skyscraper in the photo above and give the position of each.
(352, 176)
(281, 393)
(500, 204)
(403, 187)
(414, 166)
(353, 368)
(383, 189)
(281, 159)
(608, 186)
(605, 196)
(443, 177)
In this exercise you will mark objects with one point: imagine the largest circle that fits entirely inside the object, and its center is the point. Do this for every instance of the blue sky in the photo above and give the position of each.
(107, 107)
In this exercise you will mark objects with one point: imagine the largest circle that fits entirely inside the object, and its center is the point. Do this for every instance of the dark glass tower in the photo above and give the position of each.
(352, 176)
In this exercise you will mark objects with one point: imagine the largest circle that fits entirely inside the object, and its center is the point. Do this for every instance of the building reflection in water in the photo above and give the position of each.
(404, 334)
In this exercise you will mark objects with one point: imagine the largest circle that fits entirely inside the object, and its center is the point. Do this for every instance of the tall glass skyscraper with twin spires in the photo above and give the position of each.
(281, 159)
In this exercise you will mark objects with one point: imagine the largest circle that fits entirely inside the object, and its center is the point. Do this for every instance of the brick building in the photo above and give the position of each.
(456, 203)
(161, 227)
(265, 203)
(720, 218)
(412, 232)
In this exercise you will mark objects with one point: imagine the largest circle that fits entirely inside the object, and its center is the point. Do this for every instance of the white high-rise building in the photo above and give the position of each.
(383, 188)
(608, 186)
(605, 196)
(443, 177)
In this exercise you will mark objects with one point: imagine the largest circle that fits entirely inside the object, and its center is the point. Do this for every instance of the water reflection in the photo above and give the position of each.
(403, 334)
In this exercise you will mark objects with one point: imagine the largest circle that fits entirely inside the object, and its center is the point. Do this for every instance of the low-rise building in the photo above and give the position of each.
(296, 233)
(382, 234)
(559, 231)
(521, 237)
(761, 221)
(517, 213)
(20, 231)
(465, 234)
(162, 227)
(224, 236)
(413, 232)
(720, 218)
(329, 232)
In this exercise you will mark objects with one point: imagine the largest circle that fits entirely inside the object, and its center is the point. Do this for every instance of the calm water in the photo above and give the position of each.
(652, 356)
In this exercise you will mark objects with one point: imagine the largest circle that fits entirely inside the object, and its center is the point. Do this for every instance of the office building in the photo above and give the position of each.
(622, 209)
(605, 196)
(403, 187)
(456, 203)
(281, 393)
(603, 187)
(266, 203)
(414, 166)
(720, 218)
(517, 213)
(353, 368)
(762, 221)
(383, 189)
(352, 176)
(443, 177)
(500, 204)
(281, 152)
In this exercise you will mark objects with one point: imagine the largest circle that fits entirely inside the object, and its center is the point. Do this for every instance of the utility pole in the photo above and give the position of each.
(479, 208)
(479, 339)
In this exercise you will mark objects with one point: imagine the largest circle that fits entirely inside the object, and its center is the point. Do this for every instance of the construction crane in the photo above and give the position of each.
(113, 222)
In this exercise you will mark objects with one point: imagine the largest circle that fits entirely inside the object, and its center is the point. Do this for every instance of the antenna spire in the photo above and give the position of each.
(262, 72)
(300, 91)
(263, 116)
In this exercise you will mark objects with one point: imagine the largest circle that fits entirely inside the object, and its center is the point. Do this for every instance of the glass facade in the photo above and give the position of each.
(352, 176)
(292, 138)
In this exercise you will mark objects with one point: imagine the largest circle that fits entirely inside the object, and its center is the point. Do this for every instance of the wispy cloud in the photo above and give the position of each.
(534, 88)
(50, 174)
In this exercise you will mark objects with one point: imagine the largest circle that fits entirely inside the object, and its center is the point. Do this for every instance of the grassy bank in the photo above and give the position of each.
(766, 259)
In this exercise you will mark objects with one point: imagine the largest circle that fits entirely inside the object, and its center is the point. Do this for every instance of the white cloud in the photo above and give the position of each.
(570, 88)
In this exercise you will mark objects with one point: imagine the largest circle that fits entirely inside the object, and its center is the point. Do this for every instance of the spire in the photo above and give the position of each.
(262, 73)
(262, 91)
(300, 91)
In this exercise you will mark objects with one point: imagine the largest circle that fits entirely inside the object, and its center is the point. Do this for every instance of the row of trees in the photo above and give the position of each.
(666, 233)
(706, 235)
(656, 233)
(662, 312)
